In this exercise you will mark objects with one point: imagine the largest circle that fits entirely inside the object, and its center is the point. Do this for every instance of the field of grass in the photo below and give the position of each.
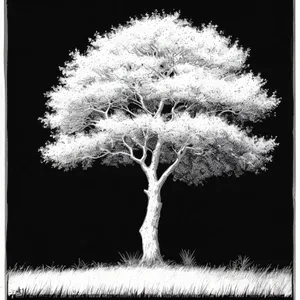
(130, 279)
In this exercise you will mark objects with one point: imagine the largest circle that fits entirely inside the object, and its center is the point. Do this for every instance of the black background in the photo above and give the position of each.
(58, 217)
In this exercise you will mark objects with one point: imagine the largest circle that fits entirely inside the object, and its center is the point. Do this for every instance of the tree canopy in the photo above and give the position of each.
(160, 83)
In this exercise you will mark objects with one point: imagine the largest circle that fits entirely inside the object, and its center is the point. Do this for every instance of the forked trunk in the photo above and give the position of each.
(149, 229)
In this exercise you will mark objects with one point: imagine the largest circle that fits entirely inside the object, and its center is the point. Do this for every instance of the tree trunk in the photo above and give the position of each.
(149, 229)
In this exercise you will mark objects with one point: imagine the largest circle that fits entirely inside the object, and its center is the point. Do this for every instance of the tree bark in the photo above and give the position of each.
(149, 229)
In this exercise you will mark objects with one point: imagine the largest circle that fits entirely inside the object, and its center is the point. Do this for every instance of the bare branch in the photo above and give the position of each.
(155, 71)
(154, 50)
(82, 128)
(97, 110)
(182, 105)
(122, 153)
(140, 161)
(178, 53)
(160, 108)
(127, 146)
(144, 147)
(195, 149)
(138, 143)
(228, 110)
(156, 155)
(173, 110)
(143, 104)
(171, 168)
(137, 103)
(125, 108)
(105, 153)
(107, 110)
(191, 106)
(94, 157)
(105, 113)
(234, 112)
(140, 103)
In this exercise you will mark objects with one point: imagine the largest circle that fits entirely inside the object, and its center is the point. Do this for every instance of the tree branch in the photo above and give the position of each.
(127, 110)
(171, 168)
(139, 161)
(154, 50)
(105, 113)
(93, 157)
(97, 110)
(194, 149)
(228, 110)
(137, 103)
(127, 146)
(140, 103)
(144, 147)
(234, 112)
(143, 104)
(156, 155)
(138, 143)
(160, 108)
(155, 71)
(173, 113)
(107, 110)
(192, 105)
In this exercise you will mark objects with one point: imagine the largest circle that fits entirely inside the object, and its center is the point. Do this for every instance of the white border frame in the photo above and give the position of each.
(3, 53)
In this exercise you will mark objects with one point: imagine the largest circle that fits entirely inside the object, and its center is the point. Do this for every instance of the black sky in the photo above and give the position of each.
(56, 216)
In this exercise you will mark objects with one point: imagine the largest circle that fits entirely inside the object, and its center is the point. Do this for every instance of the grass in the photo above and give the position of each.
(129, 279)
(188, 258)
(130, 259)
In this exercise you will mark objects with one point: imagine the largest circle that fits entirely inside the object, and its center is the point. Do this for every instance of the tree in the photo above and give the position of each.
(154, 92)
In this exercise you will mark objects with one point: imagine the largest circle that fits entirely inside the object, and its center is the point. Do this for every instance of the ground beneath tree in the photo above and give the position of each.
(168, 280)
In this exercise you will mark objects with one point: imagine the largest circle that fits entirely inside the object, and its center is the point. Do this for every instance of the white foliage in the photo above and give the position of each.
(67, 150)
(111, 100)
